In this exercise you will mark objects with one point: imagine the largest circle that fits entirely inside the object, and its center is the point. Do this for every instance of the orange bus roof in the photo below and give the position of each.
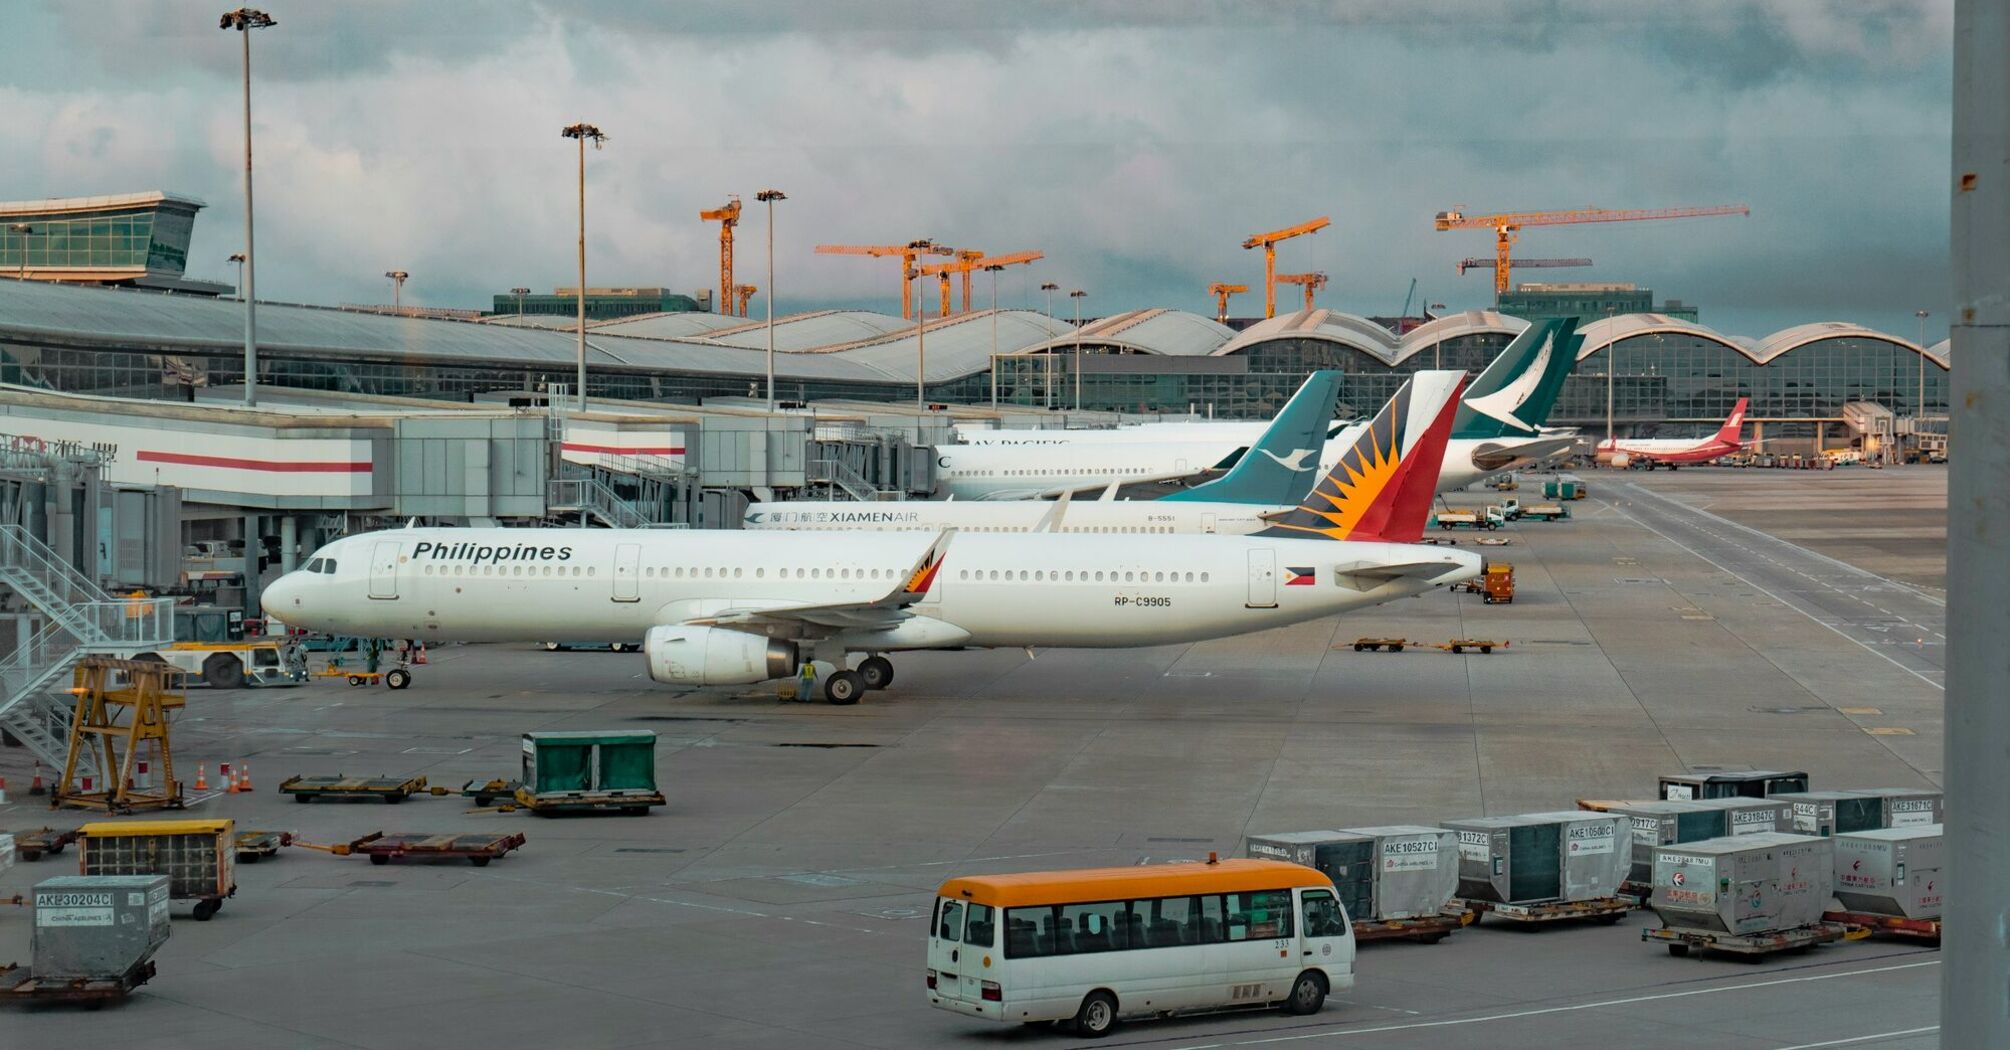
(1131, 883)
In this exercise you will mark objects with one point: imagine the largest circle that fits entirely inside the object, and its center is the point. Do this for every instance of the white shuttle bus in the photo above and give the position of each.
(1098, 945)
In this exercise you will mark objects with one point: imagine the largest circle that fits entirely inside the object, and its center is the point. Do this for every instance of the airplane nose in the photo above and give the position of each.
(284, 595)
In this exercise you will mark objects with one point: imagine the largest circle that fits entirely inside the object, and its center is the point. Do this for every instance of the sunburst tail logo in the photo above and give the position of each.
(1381, 488)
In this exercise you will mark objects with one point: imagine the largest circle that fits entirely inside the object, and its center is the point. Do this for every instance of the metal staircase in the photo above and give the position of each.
(78, 619)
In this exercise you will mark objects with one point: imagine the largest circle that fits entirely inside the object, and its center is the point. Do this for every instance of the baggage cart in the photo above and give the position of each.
(1460, 645)
(1927, 930)
(486, 792)
(1607, 910)
(1424, 929)
(199, 857)
(1681, 940)
(385, 847)
(1376, 645)
(574, 772)
(390, 789)
(32, 845)
(19, 985)
(254, 846)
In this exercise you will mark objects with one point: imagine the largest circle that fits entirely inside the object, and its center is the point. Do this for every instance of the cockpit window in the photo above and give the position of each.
(328, 566)
(313, 565)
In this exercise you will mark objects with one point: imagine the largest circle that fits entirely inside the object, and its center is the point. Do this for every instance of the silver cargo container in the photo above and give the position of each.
(1657, 824)
(1894, 871)
(1750, 816)
(1296, 847)
(1909, 807)
(98, 926)
(1828, 813)
(1744, 884)
(1759, 783)
(1595, 854)
(1414, 870)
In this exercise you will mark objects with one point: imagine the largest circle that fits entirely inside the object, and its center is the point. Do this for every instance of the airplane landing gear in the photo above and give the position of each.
(876, 671)
(844, 688)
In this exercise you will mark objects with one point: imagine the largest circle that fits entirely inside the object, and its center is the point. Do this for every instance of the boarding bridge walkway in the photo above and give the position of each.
(78, 619)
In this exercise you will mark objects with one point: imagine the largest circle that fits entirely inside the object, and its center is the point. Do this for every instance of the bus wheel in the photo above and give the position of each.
(223, 671)
(1307, 995)
(1098, 1015)
(877, 672)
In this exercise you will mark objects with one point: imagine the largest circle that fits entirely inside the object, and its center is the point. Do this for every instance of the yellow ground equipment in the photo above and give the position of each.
(142, 692)
(210, 646)
(199, 857)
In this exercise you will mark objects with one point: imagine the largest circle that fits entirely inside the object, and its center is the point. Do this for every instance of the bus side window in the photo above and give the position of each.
(1259, 916)
(951, 926)
(1322, 915)
(978, 929)
(1211, 931)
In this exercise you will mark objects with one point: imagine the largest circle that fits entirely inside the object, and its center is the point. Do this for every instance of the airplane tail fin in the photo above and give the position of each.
(1513, 396)
(1734, 426)
(1381, 488)
(1281, 464)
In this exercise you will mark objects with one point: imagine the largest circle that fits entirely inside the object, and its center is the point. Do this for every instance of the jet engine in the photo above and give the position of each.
(715, 656)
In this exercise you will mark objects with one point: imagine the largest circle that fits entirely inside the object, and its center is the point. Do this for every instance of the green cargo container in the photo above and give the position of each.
(611, 768)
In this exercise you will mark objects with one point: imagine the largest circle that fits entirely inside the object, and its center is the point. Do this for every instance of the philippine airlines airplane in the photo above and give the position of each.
(731, 607)
(1499, 427)
(1676, 451)
(1269, 480)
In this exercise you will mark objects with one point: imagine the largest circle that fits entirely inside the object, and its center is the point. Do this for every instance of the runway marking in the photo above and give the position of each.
(1543, 1011)
(1863, 1038)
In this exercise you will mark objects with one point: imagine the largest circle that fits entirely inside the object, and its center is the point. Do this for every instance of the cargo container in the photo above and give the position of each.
(1755, 783)
(1894, 871)
(1382, 873)
(1568, 856)
(1749, 816)
(1657, 824)
(1828, 813)
(1744, 884)
(1909, 807)
(199, 857)
(98, 927)
(613, 769)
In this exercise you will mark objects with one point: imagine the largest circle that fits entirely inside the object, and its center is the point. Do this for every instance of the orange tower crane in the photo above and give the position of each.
(727, 216)
(1519, 264)
(968, 262)
(1268, 242)
(742, 293)
(905, 252)
(1221, 293)
(1506, 224)
(1312, 282)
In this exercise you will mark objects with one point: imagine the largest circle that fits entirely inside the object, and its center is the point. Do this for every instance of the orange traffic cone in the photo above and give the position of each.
(419, 656)
(36, 788)
(229, 781)
(202, 776)
(244, 776)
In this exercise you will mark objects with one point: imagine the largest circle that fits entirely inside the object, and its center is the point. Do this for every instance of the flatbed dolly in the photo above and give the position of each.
(1424, 929)
(514, 796)
(1607, 910)
(486, 792)
(31, 845)
(1756, 945)
(1927, 930)
(1376, 645)
(18, 984)
(390, 789)
(383, 848)
(254, 846)
(1460, 645)
(395, 678)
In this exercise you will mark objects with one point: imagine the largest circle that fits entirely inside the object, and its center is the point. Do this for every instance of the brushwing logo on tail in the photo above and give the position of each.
(1501, 404)
(1298, 462)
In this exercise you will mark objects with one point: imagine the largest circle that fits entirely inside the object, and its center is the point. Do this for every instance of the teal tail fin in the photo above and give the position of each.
(1513, 397)
(1281, 465)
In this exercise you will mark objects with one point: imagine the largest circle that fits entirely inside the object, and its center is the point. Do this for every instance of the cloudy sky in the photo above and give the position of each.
(1136, 144)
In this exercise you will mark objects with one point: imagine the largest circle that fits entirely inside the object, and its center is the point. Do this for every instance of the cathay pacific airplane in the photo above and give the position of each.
(731, 607)
(1271, 479)
(1500, 425)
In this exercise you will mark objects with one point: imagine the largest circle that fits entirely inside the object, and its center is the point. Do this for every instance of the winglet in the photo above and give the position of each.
(1381, 488)
(1051, 521)
(1731, 433)
(1284, 461)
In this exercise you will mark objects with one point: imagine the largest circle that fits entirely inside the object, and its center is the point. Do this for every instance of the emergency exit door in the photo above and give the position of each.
(384, 569)
(1262, 579)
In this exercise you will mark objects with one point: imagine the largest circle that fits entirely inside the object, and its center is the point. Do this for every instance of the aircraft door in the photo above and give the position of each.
(384, 569)
(1207, 523)
(627, 567)
(1262, 579)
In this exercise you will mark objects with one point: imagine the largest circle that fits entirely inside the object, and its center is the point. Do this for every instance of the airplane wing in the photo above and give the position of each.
(885, 611)
(1366, 576)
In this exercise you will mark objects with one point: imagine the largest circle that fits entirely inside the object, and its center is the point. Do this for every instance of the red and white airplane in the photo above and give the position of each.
(1674, 452)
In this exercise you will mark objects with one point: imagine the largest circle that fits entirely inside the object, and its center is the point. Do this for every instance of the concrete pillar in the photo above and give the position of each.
(289, 543)
(1975, 975)
(251, 551)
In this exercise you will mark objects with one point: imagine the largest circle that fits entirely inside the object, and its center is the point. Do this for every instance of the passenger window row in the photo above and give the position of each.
(1160, 922)
(1075, 576)
(507, 570)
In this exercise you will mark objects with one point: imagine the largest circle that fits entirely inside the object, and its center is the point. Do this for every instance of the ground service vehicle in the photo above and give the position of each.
(1096, 945)
(211, 646)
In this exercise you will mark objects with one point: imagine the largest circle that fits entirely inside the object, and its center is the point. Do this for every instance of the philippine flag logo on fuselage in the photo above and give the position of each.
(1294, 576)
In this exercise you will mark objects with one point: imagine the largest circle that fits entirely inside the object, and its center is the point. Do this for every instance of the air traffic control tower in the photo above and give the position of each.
(131, 239)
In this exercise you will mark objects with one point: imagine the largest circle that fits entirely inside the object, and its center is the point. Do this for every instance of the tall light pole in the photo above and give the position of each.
(582, 132)
(994, 270)
(1611, 368)
(769, 197)
(1078, 295)
(1921, 412)
(519, 293)
(397, 290)
(1050, 288)
(24, 230)
(238, 258)
(920, 360)
(244, 20)
(1437, 348)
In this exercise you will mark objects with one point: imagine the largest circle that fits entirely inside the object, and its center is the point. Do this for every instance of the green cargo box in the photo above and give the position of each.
(612, 770)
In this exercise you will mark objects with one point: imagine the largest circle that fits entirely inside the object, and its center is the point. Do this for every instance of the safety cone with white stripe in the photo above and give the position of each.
(202, 776)
(35, 787)
(229, 780)
(244, 776)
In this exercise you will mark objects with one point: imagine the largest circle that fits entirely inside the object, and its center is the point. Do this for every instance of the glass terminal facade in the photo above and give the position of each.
(98, 238)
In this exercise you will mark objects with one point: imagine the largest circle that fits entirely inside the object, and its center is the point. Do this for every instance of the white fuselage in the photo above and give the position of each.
(1030, 471)
(1085, 591)
(1077, 516)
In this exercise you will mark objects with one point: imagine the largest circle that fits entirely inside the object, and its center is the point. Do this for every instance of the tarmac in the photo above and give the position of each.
(779, 900)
